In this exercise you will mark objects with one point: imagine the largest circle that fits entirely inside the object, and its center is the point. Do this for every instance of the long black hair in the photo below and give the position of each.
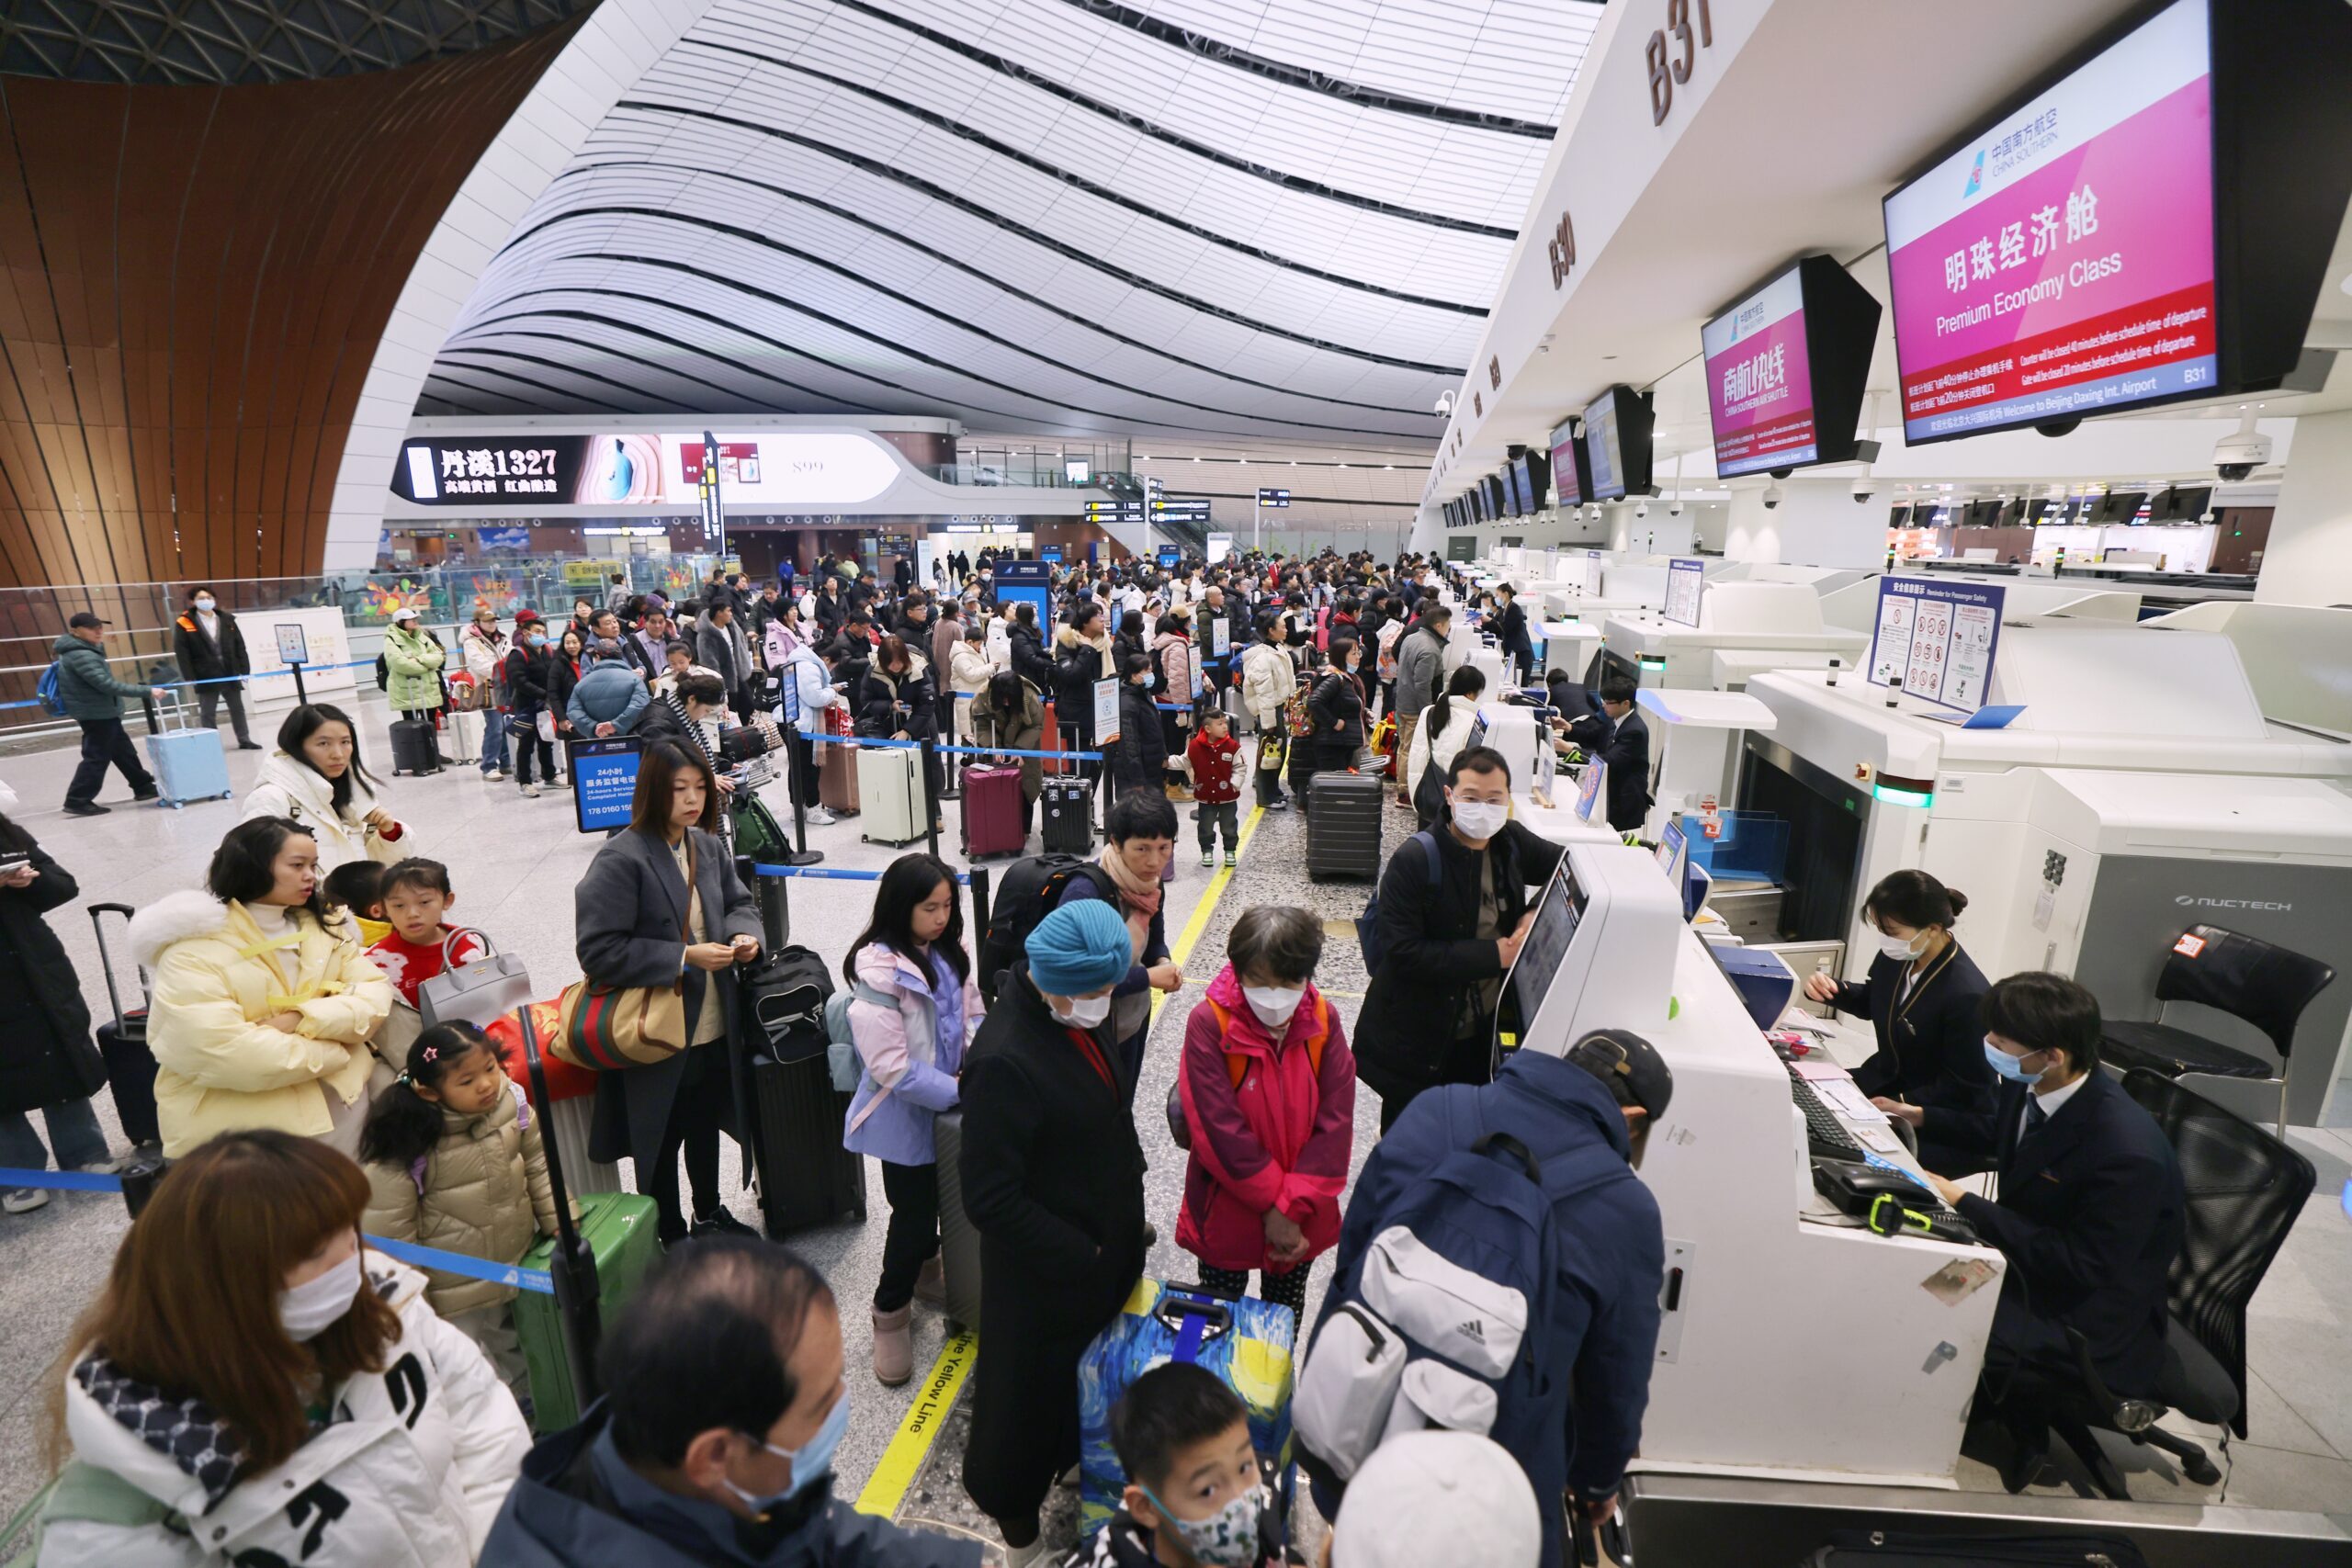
(1467, 681)
(304, 722)
(403, 1125)
(13, 837)
(245, 866)
(910, 880)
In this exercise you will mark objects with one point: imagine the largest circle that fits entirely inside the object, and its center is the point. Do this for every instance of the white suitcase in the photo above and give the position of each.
(889, 793)
(567, 1124)
(461, 742)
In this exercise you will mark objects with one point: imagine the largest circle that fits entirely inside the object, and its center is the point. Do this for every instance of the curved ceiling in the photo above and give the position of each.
(226, 43)
(1277, 219)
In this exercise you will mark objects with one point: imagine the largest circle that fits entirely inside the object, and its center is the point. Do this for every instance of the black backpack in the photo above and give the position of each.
(783, 994)
(1025, 894)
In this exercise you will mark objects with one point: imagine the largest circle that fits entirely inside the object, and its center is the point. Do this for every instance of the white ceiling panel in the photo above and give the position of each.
(1221, 219)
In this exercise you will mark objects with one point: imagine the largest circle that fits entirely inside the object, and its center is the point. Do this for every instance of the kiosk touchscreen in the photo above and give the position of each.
(1669, 849)
(1599, 953)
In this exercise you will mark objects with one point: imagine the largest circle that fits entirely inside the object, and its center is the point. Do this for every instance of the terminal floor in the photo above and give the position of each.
(514, 862)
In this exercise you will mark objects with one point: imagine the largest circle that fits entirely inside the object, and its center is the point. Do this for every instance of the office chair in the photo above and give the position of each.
(2245, 1188)
(2244, 977)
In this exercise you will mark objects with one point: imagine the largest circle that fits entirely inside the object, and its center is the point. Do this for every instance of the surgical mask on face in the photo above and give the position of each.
(1273, 1004)
(2009, 1066)
(1899, 948)
(1480, 819)
(204, 604)
(1085, 1012)
(312, 1307)
(1227, 1539)
(809, 1461)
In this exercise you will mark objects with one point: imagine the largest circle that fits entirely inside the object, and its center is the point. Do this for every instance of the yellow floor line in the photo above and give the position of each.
(902, 1460)
(1191, 935)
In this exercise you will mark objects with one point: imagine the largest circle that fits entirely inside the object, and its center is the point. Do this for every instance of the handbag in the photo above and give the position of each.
(547, 727)
(490, 987)
(608, 1029)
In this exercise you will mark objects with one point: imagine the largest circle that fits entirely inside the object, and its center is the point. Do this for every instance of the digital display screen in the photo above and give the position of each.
(1522, 487)
(1565, 483)
(2061, 262)
(1759, 381)
(1602, 451)
(1558, 911)
(1669, 847)
(1588, 792)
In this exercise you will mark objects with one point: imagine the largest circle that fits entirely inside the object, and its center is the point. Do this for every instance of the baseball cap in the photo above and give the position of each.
(405, 613)
(1438, 1497)
(1629, 1066)
(84, 618)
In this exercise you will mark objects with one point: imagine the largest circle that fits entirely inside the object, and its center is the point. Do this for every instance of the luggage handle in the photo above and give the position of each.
(573, 1269)
(1195, 1319)
(105, 961)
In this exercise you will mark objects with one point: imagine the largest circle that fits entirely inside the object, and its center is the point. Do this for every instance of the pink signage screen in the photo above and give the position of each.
(2061, 262)
(1759, 381)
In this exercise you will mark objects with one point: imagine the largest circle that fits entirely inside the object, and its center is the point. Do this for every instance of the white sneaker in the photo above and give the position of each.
(530, 792)
(819, 818)
(111, 1166)
(23, 1199)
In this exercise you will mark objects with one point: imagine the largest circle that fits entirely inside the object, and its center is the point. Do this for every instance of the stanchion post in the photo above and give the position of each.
(574, 1266)
(798, 761)
(301, 693)
(775, 903)
(928, 760)
(979, 904)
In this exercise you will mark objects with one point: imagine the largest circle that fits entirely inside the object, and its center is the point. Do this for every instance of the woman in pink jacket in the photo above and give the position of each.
(1269, 1092)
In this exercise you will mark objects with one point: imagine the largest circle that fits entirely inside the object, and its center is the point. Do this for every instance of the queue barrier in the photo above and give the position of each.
(286, 673)
(537, 1280)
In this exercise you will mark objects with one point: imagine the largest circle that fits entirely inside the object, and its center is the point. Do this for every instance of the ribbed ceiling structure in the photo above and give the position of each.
(1278, 218)
(231, 42)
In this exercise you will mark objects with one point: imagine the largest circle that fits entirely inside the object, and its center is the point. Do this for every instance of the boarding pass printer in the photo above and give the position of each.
(1795, 1343)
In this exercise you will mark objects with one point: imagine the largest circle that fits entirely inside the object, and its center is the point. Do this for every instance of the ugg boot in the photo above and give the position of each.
(930, 1285)
(894, 1345)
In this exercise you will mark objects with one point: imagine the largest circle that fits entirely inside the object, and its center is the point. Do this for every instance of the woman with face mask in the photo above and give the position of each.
(1922, 997)
(1267, 1090)
(249, 1352)
(1053, 1180)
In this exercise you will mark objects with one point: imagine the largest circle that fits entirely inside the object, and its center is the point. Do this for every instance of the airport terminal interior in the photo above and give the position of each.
(1830, 449)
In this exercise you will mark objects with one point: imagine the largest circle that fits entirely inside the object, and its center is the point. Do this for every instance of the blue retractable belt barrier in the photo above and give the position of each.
(227, 680)
(537, 1280)
(827, 873)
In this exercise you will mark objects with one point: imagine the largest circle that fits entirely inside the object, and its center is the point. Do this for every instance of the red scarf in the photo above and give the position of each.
(1093, 1054)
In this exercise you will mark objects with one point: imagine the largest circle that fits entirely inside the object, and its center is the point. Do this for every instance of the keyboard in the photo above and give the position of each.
(1822, 1131)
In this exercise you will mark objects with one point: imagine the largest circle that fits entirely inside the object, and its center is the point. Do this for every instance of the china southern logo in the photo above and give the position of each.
(1975, 176)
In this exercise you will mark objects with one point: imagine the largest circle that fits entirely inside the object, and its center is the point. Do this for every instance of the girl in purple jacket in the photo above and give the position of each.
(912, 1009)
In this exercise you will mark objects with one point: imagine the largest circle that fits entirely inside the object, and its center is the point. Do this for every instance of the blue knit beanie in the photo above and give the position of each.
(1080, 947)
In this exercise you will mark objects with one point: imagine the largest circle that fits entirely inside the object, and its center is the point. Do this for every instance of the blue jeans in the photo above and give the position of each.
(73, 1133)
(493, 740)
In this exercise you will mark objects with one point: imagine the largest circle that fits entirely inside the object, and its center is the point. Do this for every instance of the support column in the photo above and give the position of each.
(2309, 558)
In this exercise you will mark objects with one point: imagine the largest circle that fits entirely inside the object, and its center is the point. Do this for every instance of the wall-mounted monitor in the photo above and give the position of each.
(2181, 503)
(1539, 479)
(1571, 476)
(1493, 484)
(1510, 492)
(1522, 487)
(2120, 506)
(2074, 254)
(1617, 444)
(1785, 370)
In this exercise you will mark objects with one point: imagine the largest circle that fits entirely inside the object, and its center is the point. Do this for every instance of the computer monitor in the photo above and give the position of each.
(1599, 953)
(1477, 734)
(1588, 792)
(1669, 848)
(1559, 908)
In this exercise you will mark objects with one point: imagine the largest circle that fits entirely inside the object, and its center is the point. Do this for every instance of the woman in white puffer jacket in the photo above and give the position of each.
(255, 1387)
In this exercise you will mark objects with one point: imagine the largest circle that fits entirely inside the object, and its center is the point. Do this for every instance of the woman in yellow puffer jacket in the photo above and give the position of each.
(261, 1013)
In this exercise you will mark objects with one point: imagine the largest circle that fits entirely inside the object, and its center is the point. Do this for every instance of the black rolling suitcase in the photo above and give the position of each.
(806, 1176)
(1907, 1549)
(959, 1244)
(131, 1066)
(415, 750)
(1343, 826)
(1068, 808)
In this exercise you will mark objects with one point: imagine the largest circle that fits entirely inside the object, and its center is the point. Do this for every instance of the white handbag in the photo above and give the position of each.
(490, 987)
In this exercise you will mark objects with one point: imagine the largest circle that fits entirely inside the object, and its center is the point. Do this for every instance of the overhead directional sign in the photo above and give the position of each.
(1269, 497)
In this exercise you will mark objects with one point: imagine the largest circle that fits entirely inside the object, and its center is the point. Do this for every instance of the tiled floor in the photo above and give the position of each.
(515, 861)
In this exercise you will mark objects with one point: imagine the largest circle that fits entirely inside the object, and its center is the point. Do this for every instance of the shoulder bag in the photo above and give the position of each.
(486, 987)
(612, 1028)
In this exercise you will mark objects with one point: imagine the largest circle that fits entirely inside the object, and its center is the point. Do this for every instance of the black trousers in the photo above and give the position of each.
(914, 1239)
(207, 706)
(105, 742)
(525, 744)
(693, 1128)
(1286, 1288)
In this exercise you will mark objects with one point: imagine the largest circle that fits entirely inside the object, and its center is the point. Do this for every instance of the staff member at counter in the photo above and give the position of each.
(1922, 997)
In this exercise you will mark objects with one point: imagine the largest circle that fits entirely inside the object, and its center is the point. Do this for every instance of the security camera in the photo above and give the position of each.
(1863, 490)
(1675, 510)
(2238, 454)
(1643, 510)
(1444, 409)
(1771, 497)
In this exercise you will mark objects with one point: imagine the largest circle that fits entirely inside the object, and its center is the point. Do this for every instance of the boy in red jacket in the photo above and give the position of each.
(1215, 784)
(1267, 1088)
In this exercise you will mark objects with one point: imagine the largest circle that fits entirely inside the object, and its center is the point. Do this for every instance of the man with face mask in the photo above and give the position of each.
(1052, 1181)
(1453, 911)
(714, 1443)
(1584, 1119)
(208, 645)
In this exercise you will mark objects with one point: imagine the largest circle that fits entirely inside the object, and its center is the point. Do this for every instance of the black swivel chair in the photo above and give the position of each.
(2244, 1190)
(2244, 977)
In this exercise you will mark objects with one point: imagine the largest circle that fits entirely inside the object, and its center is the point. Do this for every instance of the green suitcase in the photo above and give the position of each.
(619, 1227)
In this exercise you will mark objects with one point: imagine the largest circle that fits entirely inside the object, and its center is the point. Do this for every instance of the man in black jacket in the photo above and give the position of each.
(2090, 1214)
(1510, 628)
(1619, 737)
(1454, 911)
(209, 646)
(1052, 1181)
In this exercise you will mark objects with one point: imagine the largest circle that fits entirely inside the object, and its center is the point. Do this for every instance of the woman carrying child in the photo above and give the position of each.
(453, 1160)
(1267, 1088)
(913, 1011)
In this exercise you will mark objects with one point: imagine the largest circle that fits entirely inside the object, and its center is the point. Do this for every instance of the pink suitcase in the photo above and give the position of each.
(992, 812)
